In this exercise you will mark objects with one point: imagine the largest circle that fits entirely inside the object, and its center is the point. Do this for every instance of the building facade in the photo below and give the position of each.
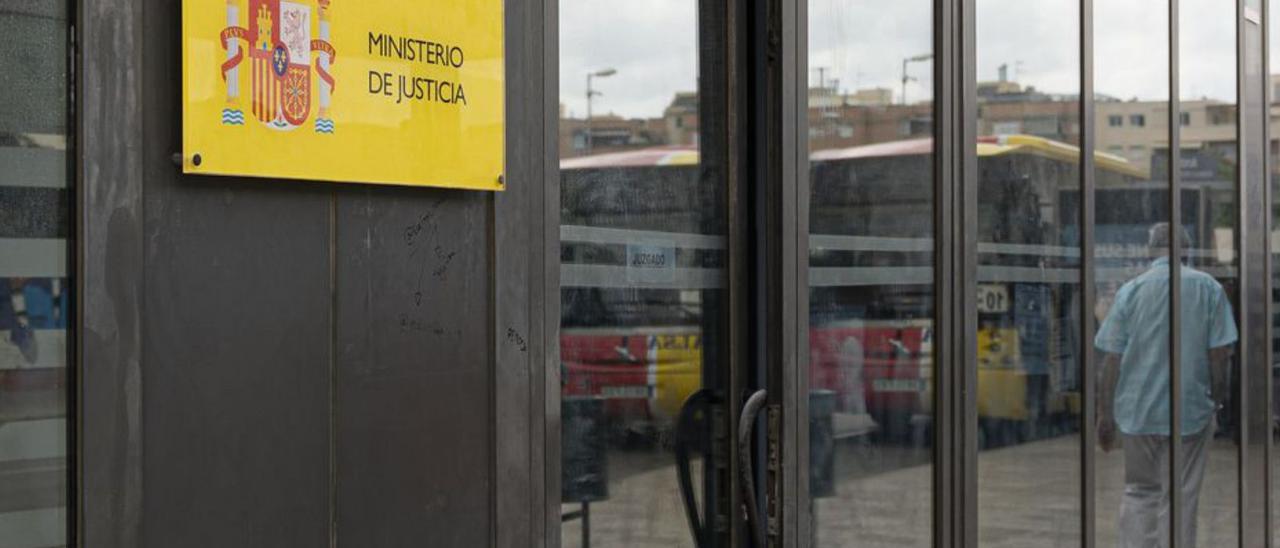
(782, 273)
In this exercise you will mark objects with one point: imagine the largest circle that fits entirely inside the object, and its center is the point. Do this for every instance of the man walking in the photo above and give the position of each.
(1135, 392)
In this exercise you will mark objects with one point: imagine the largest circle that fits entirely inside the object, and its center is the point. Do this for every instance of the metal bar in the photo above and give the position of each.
(965, 315)
(944, 507)
(72, 168)
(771, 152)
(793, 422)
(1175, 282)
(802, 504)
(1254, 411)
(1240, 241)
(1088, 428)
(547, 393)
(1269, 278)
(730, 61)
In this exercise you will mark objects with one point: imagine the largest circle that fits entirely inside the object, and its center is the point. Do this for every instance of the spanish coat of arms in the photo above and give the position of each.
(280, 47)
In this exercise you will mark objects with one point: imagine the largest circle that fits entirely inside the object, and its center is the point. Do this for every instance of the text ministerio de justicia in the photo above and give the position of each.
(406, 87)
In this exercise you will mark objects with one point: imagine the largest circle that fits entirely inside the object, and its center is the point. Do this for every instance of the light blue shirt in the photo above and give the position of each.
(1137, 329)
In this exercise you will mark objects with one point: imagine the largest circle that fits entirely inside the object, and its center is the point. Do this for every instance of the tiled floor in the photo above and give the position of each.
(1029, 496)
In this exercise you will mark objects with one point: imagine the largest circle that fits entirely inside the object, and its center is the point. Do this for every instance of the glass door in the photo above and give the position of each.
(1029, 273)
(871, 278)
(649, 276)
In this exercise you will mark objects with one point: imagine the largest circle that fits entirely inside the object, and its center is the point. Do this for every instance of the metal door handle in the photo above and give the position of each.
(686, 427)
(746, 423)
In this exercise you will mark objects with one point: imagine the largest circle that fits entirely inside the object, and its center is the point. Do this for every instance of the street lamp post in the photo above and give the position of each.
(591, 93)
(905, 77)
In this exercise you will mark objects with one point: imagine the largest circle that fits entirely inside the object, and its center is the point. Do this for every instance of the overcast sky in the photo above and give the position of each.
(653, 46)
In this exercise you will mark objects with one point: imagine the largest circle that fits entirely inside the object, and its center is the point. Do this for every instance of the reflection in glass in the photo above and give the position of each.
(1209, 156)
(642, 276)
(1028, 292)
(1131, 56)
(34, 293)
(871, 291)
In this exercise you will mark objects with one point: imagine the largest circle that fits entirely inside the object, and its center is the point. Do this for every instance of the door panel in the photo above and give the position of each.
(644, 277)
(871, 272)
(1029, 272)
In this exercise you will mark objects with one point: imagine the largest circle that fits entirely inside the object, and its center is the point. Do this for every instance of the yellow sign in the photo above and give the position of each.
(370, 91)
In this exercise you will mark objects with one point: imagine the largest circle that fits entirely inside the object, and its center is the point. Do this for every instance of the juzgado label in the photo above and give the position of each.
(650, 263)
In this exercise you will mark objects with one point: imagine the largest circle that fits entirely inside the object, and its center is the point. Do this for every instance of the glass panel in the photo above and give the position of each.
(35, 226)
(1131, 348)
(642, 269)
(871, 272)
(1028, 272)
(1210, 365)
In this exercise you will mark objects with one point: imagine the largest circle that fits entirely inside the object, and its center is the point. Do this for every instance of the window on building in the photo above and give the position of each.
(1185, 118)
(917, 126)
(1115, 120)
(1137, 120)
(1044, 126)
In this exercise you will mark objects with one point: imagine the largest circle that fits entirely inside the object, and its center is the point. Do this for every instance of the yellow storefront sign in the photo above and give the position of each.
(368, 91)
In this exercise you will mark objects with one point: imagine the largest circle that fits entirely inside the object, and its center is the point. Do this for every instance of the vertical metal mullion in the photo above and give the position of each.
(1268, 307)
(549, 394)
(1240, 240)
(1175, 282)
(1253, 407)
(735, 141)
(1088, 429)
(799, 131)
(773, 41)
(945, 365)
(75, 249)
(967, 261)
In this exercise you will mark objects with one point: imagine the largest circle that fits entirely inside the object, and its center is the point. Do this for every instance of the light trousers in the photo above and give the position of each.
(1144, 511)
